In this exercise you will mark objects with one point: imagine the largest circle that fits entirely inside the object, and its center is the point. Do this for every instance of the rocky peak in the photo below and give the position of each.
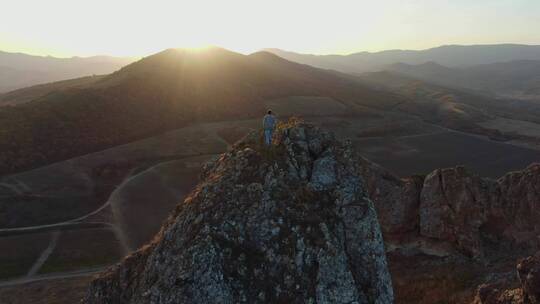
(286, 224)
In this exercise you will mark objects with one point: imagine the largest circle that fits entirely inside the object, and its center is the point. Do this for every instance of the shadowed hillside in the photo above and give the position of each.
(27, 94)
(516, 79)
(461, 109)
(19, 70)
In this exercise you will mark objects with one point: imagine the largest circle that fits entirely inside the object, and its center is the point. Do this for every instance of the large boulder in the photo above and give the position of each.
(396, 199)
(520, 204)
(288, 224)
(454, 204)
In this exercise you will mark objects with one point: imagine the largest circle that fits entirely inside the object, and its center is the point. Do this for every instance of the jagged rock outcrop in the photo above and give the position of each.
(396, 200)
(528, 270)
(292, 224)
(473, 212)
(432, 225)
(454, 204)
(504, 291)
(460, 208)
(498, 293)
(520, 195)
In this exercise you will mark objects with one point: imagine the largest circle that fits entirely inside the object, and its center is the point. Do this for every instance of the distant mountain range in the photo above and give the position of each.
(19, 70)
(505, 70)
(515, 79)
(450, 55)
(176, 87)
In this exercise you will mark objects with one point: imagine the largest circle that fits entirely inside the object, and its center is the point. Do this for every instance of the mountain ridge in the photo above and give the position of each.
(448, 55)
(19, 70)
(518, 79)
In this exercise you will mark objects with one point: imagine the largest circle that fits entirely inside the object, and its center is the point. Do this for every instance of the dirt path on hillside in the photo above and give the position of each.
(44, 255)
(52, 276)
(32, 275)
(83, 217)
(18, 187)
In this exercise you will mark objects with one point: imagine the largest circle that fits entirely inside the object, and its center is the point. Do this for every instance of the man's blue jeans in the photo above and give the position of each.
(268, 137)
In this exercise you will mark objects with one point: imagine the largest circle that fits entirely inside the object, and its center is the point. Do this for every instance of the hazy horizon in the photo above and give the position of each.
(258, 50)
(64, 28)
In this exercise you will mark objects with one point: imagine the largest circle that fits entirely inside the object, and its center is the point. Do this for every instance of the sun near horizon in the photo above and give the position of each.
(64, 28)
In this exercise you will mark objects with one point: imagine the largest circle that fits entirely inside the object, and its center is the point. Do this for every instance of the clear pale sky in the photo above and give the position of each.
(137, 28)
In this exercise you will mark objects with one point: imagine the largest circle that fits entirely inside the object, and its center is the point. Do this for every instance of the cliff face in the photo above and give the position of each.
(470, 213)
(396, 200)
(474, 213)
(452, 235)
(290, 224)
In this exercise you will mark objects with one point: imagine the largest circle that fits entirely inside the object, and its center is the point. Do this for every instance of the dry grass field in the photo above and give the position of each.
(57, 291)
(143, 201)
(19, 252)
(80, 249)
(514, 126)
(421, 154)
(306, 106)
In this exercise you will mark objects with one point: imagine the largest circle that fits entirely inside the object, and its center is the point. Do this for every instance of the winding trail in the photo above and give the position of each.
(17, 187)
(83, 217)
(53, 276)
(44, 255)
(32, 275)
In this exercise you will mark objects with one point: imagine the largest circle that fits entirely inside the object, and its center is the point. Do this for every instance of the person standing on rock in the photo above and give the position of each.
(269, 124)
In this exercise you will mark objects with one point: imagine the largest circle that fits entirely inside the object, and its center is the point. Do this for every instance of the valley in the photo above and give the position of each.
(92, 167)
(103, 205)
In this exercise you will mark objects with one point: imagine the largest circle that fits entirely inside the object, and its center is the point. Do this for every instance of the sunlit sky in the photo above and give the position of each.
(66, 28)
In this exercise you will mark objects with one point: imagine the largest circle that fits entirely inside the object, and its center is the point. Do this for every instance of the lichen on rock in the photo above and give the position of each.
(288, 224)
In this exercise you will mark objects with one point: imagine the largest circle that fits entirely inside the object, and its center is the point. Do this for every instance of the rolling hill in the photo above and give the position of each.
(162, 92)
(515, 79)
(19, 70)
(435, 95)
(34, 92)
